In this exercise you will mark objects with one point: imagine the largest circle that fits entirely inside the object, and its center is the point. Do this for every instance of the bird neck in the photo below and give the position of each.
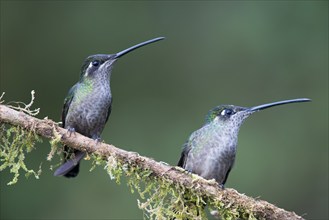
(226, 133)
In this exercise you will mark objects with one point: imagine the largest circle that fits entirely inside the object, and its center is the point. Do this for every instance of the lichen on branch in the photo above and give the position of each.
(15, 142)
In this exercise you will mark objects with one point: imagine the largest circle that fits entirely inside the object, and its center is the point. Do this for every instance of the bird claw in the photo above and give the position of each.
(98, 140)
(96, 137)
(70, 131)
(196, 177)
(189, 172)
(183, 170)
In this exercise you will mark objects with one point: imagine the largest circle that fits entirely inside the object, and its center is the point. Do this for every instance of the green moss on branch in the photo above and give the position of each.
(15, 142)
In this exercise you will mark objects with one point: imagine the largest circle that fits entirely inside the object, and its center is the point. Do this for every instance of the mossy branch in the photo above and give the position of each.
(160, 180)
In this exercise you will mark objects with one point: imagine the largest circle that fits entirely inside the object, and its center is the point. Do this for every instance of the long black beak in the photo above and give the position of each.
(264, 106)
(121, 53)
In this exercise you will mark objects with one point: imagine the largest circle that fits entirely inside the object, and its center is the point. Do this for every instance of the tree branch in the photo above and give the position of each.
(229, 197)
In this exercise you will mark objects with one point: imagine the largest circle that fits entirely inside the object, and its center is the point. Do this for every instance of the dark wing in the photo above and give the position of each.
(227, 173)
(67, 103)
(70, 168)
(109, 111)
(183, 157)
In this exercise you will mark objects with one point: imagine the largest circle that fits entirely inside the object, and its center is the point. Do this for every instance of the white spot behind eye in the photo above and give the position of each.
(90, 65)
(223, 112)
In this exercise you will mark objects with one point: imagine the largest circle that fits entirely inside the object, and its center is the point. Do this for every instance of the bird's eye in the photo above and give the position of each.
(95, 63)
(227, 112)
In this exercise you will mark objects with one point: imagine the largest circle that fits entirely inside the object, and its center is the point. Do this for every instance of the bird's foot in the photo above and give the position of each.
(97, 139)
(70, 131)
(195, 177)
(189, 171)
(184, 170)
(221, 186)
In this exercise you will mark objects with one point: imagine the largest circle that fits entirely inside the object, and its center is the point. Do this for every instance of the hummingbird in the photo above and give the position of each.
(210, 151)
(87, 106)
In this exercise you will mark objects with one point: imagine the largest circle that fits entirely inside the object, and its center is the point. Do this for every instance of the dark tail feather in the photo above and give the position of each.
(74, 172)
(71, 167)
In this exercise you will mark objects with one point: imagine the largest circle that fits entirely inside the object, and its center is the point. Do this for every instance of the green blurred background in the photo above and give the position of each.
(215, 52)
